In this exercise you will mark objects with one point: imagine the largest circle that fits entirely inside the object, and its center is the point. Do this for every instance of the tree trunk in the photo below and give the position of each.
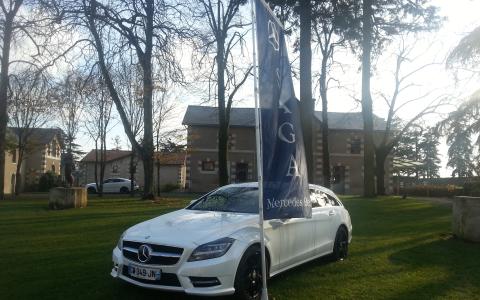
(132, 174)
(158, 179)
(307, 106)
(326, 151)
(18, 175)
(95, 170)
(5, 63)
(222, 121)
(369, 148)
(380, 158)
(147, 153)
(103, 158)
(18, 181)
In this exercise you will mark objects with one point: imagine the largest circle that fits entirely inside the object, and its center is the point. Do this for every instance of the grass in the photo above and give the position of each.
(401, 249)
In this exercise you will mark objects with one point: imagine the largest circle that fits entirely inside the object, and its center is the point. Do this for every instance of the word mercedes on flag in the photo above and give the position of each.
(285, 180)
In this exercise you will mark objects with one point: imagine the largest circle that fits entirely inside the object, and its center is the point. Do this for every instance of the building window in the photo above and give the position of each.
(53, 168)
(356, 146)
(208, 166)
(114, 168)
(14, 156)
(242, 172)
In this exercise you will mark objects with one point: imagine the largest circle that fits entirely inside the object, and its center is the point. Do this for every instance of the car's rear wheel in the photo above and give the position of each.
(124, 190)
(340, 248)
(91, 190)
(248, 280)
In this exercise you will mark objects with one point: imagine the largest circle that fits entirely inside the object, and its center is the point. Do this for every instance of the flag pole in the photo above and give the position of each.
(258, 137)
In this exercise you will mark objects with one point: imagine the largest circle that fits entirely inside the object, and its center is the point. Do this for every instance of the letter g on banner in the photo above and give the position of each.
(281, 134)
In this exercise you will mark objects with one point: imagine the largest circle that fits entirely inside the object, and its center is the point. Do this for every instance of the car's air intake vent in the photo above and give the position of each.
(204, 281)
(159, 254)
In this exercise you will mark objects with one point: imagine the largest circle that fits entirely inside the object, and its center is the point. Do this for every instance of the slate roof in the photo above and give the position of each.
(245, 117)
(110, 155)
(175, 158)
(41, 136)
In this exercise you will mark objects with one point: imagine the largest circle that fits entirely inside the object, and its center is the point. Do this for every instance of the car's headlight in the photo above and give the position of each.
(212, 250)
(120, 241)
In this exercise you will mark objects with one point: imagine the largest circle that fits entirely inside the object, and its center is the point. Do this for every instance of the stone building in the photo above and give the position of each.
(44, 154)
(345, 145)
(172, 167)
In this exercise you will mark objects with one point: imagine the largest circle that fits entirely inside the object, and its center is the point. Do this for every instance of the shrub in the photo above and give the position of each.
(170, 187)
(471, 189)
(47, 181)
(447, 190)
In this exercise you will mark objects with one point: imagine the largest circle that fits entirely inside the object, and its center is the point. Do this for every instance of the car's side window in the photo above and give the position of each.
(323, 199)
(332, 200)
(314, 198)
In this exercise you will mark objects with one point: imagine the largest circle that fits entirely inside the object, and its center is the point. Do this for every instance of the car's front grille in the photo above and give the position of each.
(161, 255)
(167, 279)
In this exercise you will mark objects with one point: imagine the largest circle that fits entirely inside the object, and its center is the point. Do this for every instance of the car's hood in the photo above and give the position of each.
(189, 227)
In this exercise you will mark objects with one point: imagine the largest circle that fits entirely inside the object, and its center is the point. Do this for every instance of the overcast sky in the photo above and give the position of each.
(462, 17)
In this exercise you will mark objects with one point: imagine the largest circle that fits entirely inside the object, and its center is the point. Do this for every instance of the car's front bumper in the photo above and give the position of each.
(222, 268)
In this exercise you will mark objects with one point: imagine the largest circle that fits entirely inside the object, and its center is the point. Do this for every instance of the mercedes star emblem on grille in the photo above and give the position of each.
(144, 253)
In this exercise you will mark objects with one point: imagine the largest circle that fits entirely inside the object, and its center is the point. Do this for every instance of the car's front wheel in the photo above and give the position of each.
(91, 190)
(340, 248)
(124, 190)
(248, 280)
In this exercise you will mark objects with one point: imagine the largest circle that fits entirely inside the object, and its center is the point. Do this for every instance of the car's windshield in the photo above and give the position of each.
(229, 199)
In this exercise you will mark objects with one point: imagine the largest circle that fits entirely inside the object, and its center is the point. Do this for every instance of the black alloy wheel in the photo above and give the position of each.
(248, 280)
(340, 249)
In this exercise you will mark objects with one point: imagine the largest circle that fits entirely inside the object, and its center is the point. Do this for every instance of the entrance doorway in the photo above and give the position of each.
(338, 184)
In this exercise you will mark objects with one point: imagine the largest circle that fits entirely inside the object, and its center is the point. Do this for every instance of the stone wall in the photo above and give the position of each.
(466, 218)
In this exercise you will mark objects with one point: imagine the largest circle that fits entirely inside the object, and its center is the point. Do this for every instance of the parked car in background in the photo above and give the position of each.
(113, 185)
(212, 246)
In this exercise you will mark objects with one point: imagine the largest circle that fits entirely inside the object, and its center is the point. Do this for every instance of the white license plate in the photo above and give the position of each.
(144, 273)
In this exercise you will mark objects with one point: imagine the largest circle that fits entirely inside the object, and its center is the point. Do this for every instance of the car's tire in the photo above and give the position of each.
(248, 279)
(91, 190)
(340, 248)
(124, 190)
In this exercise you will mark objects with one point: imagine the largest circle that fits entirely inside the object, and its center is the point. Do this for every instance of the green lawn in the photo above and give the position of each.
(401, 249)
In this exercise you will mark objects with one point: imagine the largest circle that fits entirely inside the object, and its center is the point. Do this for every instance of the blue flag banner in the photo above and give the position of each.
(285, 181)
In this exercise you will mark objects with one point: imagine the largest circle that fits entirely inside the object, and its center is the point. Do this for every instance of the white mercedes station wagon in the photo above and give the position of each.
(212, 247)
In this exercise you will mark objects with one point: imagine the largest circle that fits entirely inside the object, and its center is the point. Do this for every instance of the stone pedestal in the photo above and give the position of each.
(466, 218)
(63, 198)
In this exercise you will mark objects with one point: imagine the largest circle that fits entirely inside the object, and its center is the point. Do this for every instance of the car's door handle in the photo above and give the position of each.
(331, 213)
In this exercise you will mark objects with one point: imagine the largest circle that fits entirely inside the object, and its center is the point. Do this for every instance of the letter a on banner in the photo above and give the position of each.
(283, 154)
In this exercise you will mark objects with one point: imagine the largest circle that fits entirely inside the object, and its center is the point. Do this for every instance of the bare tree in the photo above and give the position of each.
(164, 108)
(71, 100)
(27, 109)
(152, 29)
(97, 125)
(28, 27)
(328, 35)
(131, 96)
(427, 103)
(225, 33)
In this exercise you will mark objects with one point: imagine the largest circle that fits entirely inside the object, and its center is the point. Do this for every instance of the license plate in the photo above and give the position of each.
(144, 273)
